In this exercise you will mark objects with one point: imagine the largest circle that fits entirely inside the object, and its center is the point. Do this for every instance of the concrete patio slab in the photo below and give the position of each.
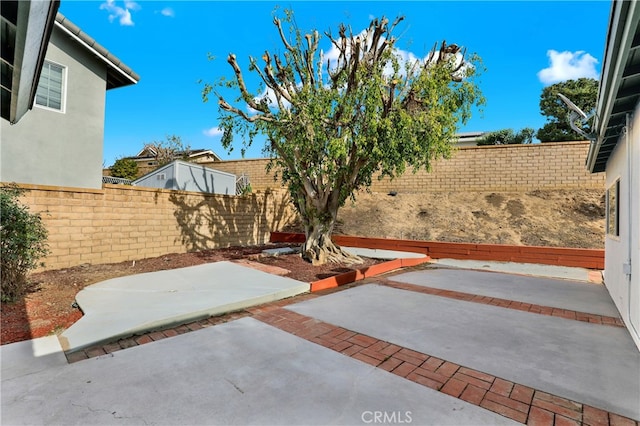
(383, 254)
(564, 294)
(128, 305)
(280, 251)
(535, 269)
(243, 372)
(594, 364)
(31, 357)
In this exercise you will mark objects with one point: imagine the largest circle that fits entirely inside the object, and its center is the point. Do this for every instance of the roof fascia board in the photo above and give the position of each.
(617, 52)
(147, 148)
(35, 24)
(98, 54)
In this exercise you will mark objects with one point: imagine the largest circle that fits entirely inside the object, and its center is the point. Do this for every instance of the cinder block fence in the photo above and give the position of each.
(120, 223)
(500, 168)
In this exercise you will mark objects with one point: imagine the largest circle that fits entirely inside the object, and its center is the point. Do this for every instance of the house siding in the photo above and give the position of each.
(61, 149)
(625, 289)
(183, 176)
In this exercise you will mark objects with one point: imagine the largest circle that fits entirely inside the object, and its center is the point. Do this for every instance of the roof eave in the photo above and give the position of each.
(118, 74)
(36, 21)
(624, 18)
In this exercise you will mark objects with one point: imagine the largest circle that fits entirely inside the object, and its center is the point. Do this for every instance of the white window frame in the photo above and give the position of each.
(612, 226)
(63, 94)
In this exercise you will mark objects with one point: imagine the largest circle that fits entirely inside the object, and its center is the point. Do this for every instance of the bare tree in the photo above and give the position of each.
(332, 123)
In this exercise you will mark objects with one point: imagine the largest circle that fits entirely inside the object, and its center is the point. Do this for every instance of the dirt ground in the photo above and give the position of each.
(537, 218)
(540, 218)
(49, 308)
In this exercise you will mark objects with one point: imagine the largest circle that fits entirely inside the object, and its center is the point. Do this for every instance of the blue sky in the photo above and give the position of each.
(524, 47)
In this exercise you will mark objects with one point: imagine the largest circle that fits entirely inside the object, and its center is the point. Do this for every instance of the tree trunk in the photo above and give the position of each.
(318, 247)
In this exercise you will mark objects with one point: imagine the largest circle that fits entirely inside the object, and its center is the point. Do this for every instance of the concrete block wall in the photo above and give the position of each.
(122, 223)
(503, 168)
(254, 168)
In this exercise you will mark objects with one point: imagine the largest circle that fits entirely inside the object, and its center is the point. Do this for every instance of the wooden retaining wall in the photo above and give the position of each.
(559, 256)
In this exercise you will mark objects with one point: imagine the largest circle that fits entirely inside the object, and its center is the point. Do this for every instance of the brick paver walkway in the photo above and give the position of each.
(506, 303)
(515, 401)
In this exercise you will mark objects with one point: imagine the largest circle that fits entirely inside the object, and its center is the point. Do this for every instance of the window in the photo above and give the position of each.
(613, 209)
(50, 92)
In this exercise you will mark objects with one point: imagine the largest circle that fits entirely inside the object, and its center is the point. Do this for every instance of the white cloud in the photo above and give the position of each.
(125, 19)
(122, 14)
(332, 56)
(167, 11)
(271, 98)
(213, 132)
(404, 57)
(568, 66)
(131, 5)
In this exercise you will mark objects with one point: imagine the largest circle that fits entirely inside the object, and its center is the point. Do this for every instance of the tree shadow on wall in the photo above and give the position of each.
(208, 221)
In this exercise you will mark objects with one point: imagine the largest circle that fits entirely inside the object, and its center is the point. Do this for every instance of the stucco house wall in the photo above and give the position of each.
(624, 287)
(34, 149)
(615, 150)
(64, 147)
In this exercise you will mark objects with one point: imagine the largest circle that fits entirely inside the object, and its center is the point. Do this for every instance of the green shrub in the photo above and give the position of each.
(125, 168)
(23, 242)
(246, 190)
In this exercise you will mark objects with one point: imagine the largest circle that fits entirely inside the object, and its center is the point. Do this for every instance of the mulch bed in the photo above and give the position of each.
(49, 308)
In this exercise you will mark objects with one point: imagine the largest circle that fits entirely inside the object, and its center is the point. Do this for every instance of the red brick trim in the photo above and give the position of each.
(506, 303)
(360, 274)
(509, 399)
(562, 256)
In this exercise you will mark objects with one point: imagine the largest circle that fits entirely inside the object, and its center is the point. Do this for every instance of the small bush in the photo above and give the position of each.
(23, 242)
(246, 190)
(124, 168)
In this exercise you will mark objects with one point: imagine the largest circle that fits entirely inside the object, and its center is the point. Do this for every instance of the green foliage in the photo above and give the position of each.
(23, 242)
(125, 168)
(507, 137)
(330, 126)
(246, 190)
(583, 92)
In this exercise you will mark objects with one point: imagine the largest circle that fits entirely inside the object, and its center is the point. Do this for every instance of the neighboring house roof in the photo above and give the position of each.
(468, 138)
(26, 30)
(619, 91)
(148, 153)
(118, 74)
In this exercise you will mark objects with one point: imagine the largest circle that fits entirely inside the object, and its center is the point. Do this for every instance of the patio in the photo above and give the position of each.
(426, 346)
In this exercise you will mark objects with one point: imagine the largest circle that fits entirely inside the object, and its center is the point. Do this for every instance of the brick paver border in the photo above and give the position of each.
(506, 303)
(509, 399)
(512, 400)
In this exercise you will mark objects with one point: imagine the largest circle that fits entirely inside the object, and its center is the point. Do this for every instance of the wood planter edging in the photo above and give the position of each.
(360, 274)
(558, 256)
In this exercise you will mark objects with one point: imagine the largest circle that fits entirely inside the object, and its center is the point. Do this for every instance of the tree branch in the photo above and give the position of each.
(246, 96)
